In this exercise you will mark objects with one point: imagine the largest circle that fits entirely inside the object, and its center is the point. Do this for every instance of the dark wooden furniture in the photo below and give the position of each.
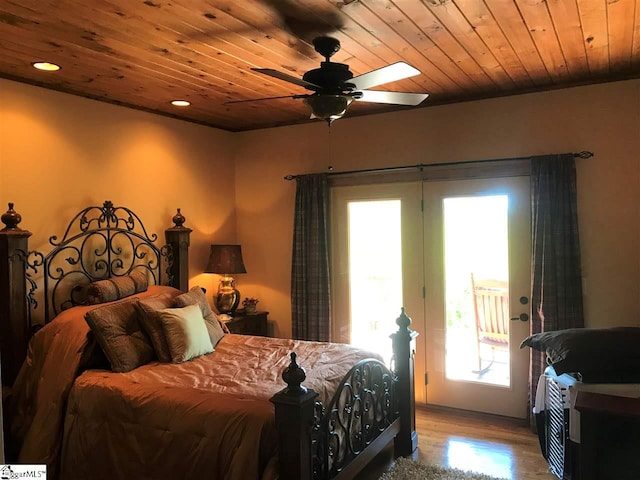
(609, 436)
(249, 324)
(371, 407)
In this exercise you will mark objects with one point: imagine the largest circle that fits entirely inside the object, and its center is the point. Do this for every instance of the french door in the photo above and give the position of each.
(477, 277)
(431, 247)
(376, 262)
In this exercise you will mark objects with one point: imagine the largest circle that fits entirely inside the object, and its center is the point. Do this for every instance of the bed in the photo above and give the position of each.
(242, 407)
(603, 361)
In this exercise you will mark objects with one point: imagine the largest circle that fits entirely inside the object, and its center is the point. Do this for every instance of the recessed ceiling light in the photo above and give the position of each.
(180, 103)
(46, 66)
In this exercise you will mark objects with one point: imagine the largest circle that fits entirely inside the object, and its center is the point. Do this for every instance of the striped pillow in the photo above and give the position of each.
(117, 287)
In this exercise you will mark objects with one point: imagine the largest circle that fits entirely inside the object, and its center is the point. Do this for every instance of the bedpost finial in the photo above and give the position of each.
(178, 220)
(293, 376)
(403, 321)
(11, 219)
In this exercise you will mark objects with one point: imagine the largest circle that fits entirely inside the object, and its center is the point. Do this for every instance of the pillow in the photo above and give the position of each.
(186, 333)
(118, 331)
(149, 310)
(598, 354)
(196, 296)
(117, 287)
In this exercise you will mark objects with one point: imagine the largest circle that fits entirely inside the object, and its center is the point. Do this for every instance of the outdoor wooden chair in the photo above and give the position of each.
(491, 312)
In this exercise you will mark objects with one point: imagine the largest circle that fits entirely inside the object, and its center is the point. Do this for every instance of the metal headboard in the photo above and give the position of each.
(99, 243)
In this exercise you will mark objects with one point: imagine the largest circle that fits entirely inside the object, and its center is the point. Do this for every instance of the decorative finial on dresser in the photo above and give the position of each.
(11, 219)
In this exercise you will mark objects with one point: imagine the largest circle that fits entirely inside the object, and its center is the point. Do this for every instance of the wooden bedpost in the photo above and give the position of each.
(407, 439)
(294, 422)
(14, 313)
(178, 237)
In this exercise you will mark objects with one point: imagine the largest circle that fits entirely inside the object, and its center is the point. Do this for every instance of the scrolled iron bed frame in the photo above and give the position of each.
(372, 406)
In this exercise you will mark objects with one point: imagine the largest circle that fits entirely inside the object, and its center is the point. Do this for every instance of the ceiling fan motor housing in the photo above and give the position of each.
(330, 76)
(326, 46)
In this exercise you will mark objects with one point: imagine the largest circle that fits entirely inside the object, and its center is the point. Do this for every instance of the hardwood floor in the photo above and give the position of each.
(497, 446)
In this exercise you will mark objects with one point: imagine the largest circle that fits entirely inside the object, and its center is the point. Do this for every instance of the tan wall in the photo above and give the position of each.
(60, 153)
(602, 118)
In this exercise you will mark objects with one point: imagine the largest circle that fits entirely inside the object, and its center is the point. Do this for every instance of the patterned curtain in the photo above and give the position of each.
(310, 300)
(556, 286)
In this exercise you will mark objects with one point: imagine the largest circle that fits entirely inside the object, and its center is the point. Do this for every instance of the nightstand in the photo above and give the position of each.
(249, 324)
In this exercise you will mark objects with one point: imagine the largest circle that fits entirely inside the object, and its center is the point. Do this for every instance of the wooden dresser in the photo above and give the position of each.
(610, 436)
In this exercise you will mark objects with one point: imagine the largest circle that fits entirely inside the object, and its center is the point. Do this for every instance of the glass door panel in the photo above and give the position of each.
(477, 251)
(476, 265)
(375, 272)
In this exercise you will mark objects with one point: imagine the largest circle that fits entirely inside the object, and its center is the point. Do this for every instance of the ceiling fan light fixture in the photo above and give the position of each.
(335, 87)
(328, 107)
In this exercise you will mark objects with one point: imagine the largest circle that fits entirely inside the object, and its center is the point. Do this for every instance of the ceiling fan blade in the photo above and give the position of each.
(390, 73)
(397, 98)
(266, 98)
(286, 77)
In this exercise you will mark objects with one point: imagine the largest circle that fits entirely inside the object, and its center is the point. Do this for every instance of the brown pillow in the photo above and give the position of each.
(196, 296)
(117, 287)
(118, 331)
(149, 309)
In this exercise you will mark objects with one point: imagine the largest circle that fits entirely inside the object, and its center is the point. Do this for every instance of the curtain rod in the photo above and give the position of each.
(583, 154)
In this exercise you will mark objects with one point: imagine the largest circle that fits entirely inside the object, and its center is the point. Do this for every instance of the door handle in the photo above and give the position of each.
(523, 317)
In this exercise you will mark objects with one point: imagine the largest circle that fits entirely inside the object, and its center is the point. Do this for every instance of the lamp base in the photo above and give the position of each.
(227, 302)
(228, 297)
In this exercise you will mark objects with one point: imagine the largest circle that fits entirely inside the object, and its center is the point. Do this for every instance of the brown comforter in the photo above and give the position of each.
(209, 418)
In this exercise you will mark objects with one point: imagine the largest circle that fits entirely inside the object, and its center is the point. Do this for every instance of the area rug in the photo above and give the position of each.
(405, 469)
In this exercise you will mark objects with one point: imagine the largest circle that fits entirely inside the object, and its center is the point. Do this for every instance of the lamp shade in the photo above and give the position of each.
(225, 259)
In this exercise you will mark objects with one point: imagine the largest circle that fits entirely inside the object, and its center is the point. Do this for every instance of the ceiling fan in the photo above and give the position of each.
(334, 87)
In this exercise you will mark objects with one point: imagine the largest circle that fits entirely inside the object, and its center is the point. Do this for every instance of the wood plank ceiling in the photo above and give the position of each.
(145, 53)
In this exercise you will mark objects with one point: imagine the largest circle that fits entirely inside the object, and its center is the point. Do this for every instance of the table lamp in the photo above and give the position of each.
(226, 260)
